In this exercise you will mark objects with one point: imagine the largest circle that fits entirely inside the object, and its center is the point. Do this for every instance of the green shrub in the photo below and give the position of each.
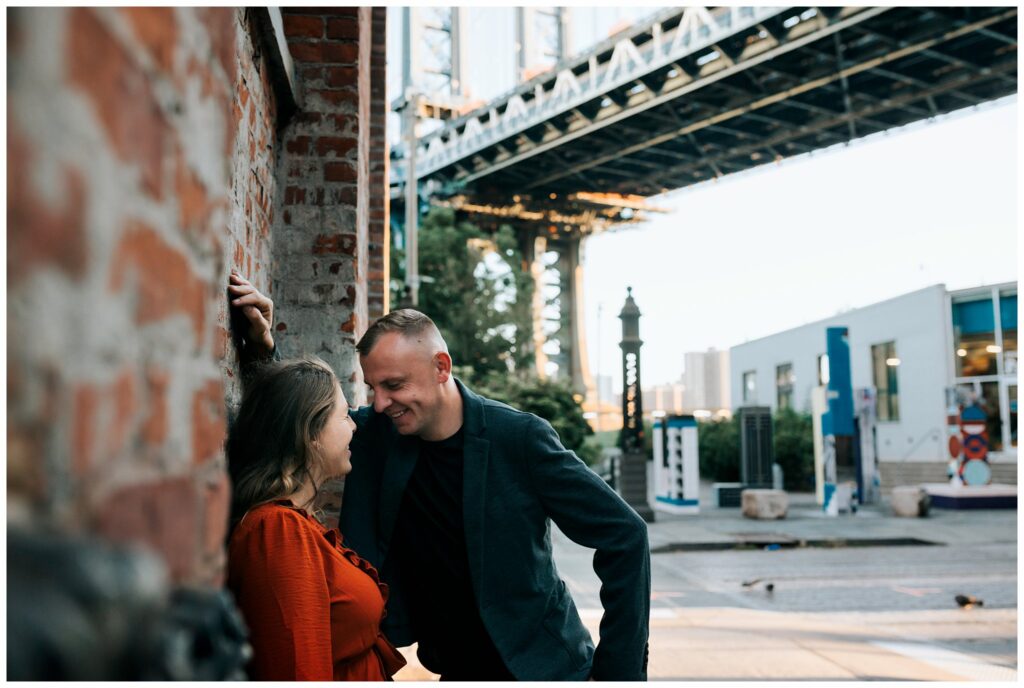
(793, 445)
(718, 444)
(793, 437)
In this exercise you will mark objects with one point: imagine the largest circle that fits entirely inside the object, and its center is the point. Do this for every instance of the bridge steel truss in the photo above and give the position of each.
(694, 94)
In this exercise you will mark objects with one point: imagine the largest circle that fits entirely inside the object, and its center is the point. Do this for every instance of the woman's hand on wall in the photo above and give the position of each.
(258, 310)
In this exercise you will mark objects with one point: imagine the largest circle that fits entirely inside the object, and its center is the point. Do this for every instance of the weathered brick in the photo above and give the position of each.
(334, 98)
(306, 52)
(220, 23)
(298, 26)
(298, 145)
(344, 53)
(342, 77)
(42, 234)
(216, 509)
(123, 410)
(155, 427)
(166, 283)
(343, 28)
(83, 433)
(307, 117)
(345, 124)
(121, 95)
(169, 268)
(157, 30)
(340, 146)
(334, 243)
(162, 515)
(208, 421)
(340, 172)
(193, 204)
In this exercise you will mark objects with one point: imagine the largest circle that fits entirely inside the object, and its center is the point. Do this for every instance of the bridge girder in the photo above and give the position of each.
(758, 73)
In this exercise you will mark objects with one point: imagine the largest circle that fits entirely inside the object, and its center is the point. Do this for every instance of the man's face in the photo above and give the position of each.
(406, 380)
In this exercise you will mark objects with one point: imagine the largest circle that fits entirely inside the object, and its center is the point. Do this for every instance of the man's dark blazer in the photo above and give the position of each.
(517, 475)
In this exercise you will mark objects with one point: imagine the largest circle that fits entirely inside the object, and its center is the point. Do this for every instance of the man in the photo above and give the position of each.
(451, 496)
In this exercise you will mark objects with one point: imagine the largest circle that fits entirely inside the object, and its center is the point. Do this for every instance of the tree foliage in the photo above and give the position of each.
(793, 438)
(476, 290)
(718, 445)
(552, 401)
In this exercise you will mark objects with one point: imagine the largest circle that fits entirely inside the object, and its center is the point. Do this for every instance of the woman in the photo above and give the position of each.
(312, 605)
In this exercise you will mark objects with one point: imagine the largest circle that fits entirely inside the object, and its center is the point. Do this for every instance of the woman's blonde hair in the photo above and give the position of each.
(270, 447)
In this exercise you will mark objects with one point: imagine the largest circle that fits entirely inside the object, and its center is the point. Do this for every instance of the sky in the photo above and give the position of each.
(788, 243)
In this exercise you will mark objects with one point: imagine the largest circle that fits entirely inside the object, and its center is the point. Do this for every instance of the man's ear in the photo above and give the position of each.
(443, 366)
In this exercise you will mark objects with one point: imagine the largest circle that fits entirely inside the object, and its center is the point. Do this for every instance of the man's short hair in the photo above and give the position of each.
(406, 321)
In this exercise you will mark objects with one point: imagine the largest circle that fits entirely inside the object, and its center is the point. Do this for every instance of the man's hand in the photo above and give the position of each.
(258, 310)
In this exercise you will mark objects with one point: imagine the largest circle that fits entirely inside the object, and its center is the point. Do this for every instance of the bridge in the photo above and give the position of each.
(689, 95)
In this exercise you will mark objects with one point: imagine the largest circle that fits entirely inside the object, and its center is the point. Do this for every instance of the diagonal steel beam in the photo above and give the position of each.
(1006, 67)
(796, 90)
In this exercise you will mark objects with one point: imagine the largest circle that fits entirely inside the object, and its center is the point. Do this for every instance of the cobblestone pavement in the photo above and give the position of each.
(837, 612)
(833, 613)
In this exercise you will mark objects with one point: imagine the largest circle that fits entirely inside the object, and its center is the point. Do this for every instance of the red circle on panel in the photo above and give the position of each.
(975, 447)
(954, 446)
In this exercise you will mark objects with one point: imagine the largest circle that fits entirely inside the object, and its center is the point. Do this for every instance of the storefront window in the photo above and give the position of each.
(989, 401)
(784, 379)
(1008, 320)
(884, 364)
(1013, 415)
(974, 338)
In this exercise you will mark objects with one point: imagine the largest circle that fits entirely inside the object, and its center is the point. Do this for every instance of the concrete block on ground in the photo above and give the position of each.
(764, 504)
(910, 501)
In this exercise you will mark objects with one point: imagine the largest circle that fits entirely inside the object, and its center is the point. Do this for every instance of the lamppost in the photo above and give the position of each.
(633, 485)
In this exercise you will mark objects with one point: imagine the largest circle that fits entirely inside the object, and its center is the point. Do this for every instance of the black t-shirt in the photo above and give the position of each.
(429, 546)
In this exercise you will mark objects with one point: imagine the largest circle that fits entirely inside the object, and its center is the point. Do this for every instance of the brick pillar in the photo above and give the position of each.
(379, 275)
(137, 140)
(320, 238)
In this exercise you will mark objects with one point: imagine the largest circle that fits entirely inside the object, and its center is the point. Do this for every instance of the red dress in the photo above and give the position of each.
(313, 607)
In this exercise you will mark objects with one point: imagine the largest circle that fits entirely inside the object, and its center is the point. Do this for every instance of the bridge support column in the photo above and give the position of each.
(572, 304)
(534, 246)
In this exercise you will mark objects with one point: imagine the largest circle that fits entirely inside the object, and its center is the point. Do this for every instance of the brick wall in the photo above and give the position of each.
(144, 163)
(320, 241)
(378, 277)
(118, 132)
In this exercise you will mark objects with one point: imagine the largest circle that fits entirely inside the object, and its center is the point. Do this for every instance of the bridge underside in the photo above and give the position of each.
(858, 78)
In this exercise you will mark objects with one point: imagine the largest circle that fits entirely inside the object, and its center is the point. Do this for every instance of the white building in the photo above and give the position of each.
(911, 349)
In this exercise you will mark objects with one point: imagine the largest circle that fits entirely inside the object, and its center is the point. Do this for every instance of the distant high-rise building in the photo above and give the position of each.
(667, 398)
(706, 379)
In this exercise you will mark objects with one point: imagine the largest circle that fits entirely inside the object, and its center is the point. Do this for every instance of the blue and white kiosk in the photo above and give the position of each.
(676, 467)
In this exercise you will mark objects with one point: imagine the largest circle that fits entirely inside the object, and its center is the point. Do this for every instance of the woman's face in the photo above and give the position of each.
(334, 440)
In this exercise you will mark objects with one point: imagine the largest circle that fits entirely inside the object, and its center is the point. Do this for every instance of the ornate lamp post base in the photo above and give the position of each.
(633, 484)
